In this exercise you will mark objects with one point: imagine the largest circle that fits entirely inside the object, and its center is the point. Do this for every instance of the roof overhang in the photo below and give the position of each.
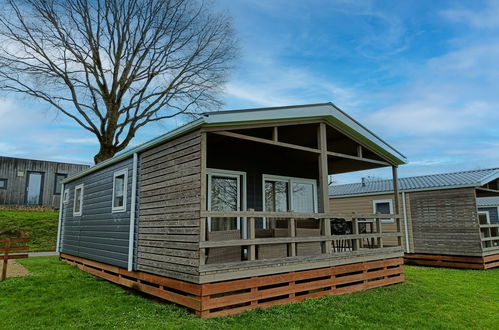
(325, 111)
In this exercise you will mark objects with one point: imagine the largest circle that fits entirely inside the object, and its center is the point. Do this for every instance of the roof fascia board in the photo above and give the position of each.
(489, 178)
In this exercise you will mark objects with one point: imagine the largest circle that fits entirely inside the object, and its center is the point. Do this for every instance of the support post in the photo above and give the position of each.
(275, 134)
(324, 183)
(379, 229)
(355, 231)
(202, 238)
(6, 249)
(292, 233)
(251, 235)
(396, 203)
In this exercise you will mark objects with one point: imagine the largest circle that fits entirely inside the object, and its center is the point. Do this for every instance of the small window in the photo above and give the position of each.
(3, 183)
(119, 190)
(484, 217)
(65, 197)
(78, 204)
(57, 183)
(383, 206)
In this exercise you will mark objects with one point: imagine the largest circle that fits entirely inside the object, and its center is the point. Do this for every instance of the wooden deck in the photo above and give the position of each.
(235, 296)
(467, 262)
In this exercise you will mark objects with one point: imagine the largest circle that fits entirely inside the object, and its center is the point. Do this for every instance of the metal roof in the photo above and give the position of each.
(488, 201)
(324, 111)
(473, 178)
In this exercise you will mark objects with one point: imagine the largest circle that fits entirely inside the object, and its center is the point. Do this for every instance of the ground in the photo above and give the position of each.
(40, 226)
(57, 295)
(14, 269)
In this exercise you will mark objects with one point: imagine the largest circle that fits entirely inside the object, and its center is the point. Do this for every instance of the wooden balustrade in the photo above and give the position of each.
(354, 242)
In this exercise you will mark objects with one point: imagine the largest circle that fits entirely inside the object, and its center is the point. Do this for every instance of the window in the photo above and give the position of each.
(484, 217)
(65, 197)
(226, 192)
(383, 206)
(3, 183)
(120, 190)
(283, 194)
(78, 203)
(57, 182)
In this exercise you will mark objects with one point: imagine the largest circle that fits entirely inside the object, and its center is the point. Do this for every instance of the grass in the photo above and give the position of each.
(40, 226)
(59, 296)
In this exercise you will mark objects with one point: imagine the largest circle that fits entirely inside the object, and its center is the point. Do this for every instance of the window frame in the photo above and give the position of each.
(487, 214)
(5, 184)
(241, 187)
(390, 203)
(55, 183)
(78, 214)
(65, 196)
(119, 209)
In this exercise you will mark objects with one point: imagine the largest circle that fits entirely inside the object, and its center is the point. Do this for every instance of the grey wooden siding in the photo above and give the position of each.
(445, 222)
(16, 184)
(170, 202)
(98, 234)
(493, 214)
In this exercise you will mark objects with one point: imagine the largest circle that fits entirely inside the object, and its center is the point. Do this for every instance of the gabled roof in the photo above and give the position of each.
(488, 201)
(323, 111)
(475, 178)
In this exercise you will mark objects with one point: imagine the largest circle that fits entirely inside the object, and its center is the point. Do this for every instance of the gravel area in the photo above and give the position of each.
(14, 269)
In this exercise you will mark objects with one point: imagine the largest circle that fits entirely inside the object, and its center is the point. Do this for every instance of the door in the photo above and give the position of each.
(225, 193)
(34, 188)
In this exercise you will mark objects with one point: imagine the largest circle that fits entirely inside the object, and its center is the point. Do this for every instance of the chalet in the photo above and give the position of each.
(231, 212)
(447, 221)
(33, 182)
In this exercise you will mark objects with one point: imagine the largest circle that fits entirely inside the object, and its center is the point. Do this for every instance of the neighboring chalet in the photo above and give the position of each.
(444, 222)
(33, 182)
(231, 212)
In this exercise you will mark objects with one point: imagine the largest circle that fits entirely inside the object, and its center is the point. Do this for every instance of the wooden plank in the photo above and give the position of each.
(14, 240)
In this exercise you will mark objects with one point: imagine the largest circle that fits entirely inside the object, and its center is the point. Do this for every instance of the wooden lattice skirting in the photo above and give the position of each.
(435, 260)
(234, 296)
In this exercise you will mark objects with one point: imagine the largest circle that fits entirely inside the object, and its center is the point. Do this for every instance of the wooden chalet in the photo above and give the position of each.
(231, 212)
(449, 219)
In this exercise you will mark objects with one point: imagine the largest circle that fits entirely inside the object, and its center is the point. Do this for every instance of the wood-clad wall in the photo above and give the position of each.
(16, 182)
(364, 204)
(446, 222)
(170, 201)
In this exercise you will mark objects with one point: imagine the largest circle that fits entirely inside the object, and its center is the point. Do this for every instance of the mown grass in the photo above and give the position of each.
(39, 226)
(59, 296)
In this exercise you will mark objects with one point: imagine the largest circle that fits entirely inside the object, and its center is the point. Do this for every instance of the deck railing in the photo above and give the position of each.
(364, 232)
(490, 237)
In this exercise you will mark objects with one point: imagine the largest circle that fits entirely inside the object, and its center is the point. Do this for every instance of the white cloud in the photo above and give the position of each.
(487, 17)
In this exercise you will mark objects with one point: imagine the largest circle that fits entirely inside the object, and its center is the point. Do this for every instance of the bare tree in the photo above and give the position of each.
(115, 65)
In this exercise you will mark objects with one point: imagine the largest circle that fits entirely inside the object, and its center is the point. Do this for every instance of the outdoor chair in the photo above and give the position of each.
(340, 226)
(224, 254)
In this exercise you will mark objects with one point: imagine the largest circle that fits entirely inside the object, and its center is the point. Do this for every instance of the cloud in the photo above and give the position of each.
(487, 17)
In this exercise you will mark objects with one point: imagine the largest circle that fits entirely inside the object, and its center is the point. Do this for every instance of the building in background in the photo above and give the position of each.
(33, 182)
(447, 222)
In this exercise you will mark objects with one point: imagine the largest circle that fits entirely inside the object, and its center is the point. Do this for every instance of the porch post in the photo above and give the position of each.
(396, 209)
(324, 184)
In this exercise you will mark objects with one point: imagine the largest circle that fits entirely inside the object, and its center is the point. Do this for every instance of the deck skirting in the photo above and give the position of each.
(467, 262)
(235, 296)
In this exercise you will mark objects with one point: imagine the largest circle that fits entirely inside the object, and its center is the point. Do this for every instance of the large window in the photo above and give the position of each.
(484, 217)
(120, 190)
(3, 183)
(78, 201)
(283, 194)
(383, 206)
(226, 193)
(57, 182)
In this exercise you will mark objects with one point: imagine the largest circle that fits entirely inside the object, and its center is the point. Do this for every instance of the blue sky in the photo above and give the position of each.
(424, 75)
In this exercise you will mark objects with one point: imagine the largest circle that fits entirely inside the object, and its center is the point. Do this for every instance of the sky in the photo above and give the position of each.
(423, 75)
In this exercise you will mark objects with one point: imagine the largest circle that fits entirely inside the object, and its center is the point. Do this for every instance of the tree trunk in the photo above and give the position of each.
(105, 152)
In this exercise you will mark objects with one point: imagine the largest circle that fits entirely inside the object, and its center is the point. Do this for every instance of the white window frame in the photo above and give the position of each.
(290, 180)
(78, 214)
(65, 196)
(390, 202)
(117, 209)
(241, 193)
(487, 214)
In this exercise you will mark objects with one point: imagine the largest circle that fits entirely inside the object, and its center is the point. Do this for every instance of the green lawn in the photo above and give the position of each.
(41, 227)
(61, 296)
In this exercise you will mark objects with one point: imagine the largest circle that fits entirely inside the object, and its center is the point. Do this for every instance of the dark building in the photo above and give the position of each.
(33, 182)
